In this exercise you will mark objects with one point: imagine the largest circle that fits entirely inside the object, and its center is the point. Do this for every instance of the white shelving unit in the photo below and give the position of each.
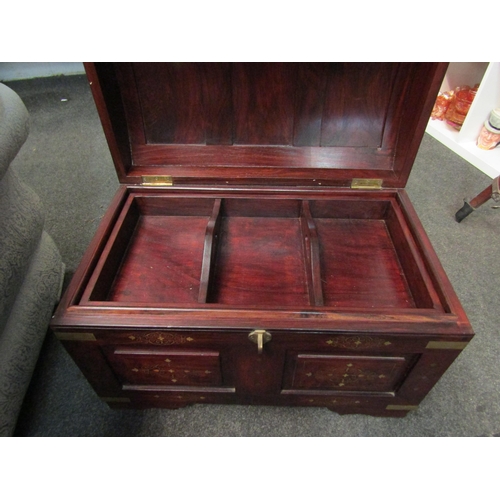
(463, 142)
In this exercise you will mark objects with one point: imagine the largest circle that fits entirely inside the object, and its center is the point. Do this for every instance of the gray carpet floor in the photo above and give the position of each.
(67, 163)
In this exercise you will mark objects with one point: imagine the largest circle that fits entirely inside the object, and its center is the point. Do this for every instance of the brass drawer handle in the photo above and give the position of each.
(259, 337)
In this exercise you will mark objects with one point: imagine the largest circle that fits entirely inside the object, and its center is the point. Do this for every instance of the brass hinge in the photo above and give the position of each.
(157, 180)
(366, 184)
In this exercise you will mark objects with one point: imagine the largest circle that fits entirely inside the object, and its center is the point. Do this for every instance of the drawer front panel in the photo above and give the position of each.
(166, 367)
(347, 373)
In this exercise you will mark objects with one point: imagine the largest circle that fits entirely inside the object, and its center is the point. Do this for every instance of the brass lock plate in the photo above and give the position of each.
(259, 337)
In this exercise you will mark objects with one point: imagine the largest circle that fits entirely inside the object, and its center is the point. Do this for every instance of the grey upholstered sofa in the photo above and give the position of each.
(31, 270)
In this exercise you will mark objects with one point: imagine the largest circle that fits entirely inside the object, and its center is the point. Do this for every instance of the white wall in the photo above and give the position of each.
(20, 71)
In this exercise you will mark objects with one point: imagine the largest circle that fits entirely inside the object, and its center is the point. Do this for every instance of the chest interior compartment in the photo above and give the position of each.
(345, 251)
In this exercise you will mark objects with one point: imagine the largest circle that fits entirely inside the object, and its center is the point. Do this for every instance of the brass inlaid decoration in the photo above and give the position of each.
(164, 338)
(354, 377)
(339, 372)
(355, 342)
(339, 401)
(351, 378)
(342, 401)
(169, 375)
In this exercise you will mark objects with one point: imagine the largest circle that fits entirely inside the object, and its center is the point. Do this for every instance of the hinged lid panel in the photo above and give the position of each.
(265, 123)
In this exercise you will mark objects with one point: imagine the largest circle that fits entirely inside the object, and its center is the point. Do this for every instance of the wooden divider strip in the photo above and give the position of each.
(311, 252)
(210, 251)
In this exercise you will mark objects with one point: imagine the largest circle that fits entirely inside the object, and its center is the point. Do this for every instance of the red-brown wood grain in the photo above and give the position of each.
(348, 372)
(166, 367)
(204, 120)
(357, 102)
(212, 235)
(311, 256)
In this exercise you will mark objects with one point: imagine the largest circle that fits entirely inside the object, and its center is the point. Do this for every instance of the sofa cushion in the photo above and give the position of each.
(21, 225)
(14, 126)
(21, 341)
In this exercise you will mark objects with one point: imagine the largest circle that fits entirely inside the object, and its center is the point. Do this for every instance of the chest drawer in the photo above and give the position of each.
(165, 367)
(347, 373)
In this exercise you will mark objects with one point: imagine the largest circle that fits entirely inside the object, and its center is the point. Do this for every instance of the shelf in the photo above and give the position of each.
(463, 142)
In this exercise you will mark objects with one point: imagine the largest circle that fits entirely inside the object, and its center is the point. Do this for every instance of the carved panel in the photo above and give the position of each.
(198, 368)
(353, 373)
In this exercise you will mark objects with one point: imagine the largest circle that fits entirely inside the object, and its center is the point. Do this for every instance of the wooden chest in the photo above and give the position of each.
(262, 249)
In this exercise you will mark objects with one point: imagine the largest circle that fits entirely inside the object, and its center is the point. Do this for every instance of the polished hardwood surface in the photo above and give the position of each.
(259, 252)
(338, 279)
(260, 276)
(265, 122)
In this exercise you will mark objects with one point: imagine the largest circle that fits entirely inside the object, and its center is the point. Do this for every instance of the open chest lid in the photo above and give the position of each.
(300, 124)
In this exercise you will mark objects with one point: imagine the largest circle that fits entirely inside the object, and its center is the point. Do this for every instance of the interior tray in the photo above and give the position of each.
(271, 252)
